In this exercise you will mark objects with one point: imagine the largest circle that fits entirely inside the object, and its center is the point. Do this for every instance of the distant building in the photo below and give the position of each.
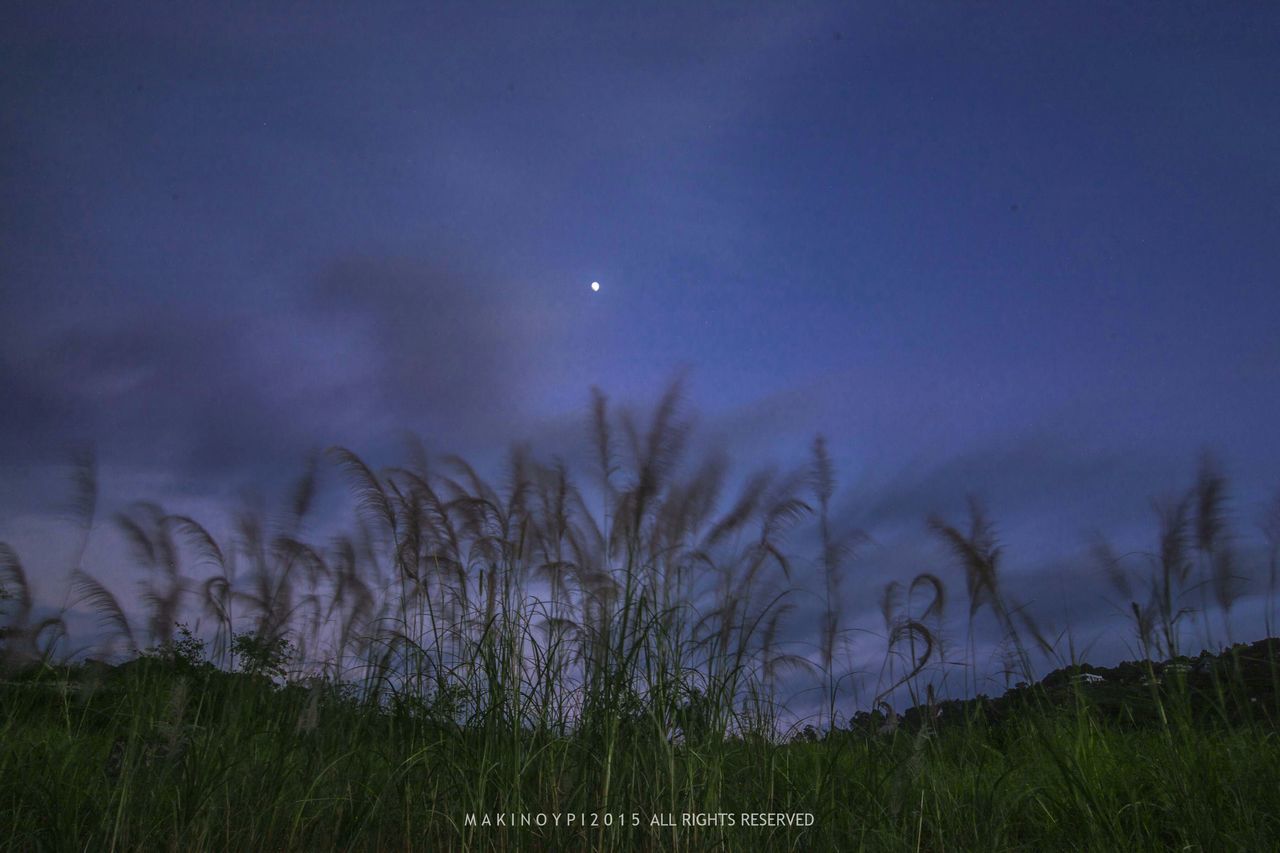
(1087, 678)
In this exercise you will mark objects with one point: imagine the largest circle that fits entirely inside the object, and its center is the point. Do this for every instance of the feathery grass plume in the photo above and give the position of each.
(22, 642)
(371, 498)
(1172, 569)
(84, 478)
(978, 552)
(772, 661)
(433, 536)
(835, 549)
(1213, 541)
(303, 496)
(663, 446)
(1047, 647)
(1111, 565)
(602, 444)
(111, 616)
(14, 580)
(151, 537)
(270, 593)
(197, 538)
(84, 499)
(922, 643)
(890, 604)
(824, 483)
(412, 547)
(938, 603)
(1210, 504)
(215, 599)
(1144, 616)
(890, 615)
(901, 626)
(934, 610)
(18, 646)
(550, 516)
(1106, 559)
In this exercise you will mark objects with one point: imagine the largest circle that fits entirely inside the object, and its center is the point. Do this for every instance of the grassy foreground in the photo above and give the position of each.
(613, 663)
(159, 754)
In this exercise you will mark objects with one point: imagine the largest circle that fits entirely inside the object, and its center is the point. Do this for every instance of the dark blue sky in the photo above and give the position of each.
(1023, 250)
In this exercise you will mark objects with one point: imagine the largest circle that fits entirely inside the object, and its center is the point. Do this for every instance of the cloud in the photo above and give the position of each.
(447, 348)
(367, 349)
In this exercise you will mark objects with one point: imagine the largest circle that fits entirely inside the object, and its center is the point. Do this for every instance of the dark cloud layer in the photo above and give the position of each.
(370, 348)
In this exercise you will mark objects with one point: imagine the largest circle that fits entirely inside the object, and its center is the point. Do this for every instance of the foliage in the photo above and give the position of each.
(257, 655)
(185, 652)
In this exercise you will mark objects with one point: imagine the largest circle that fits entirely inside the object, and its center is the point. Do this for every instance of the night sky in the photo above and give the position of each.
(1026, 251)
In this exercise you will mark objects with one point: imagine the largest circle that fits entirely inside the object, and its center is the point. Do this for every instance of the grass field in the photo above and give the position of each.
(547, 667)
(166, 756)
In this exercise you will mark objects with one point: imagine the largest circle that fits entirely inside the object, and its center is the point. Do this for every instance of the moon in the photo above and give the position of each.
(595, 285)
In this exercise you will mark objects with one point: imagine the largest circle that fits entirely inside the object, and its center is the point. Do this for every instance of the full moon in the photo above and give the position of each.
(595, 285)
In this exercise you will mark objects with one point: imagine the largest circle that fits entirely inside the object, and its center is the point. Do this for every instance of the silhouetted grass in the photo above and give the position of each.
(615, 649)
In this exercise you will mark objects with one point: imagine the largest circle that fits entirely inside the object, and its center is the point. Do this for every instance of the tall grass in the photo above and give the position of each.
(621, 648)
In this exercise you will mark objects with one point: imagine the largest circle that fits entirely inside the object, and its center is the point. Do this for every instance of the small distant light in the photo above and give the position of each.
(595, 285)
